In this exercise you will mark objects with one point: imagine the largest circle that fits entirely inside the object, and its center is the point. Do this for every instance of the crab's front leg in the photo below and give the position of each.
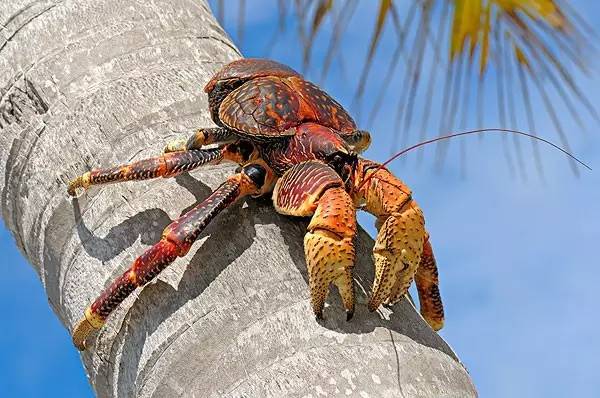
(402, 249)
(176, 241)
(313, 188)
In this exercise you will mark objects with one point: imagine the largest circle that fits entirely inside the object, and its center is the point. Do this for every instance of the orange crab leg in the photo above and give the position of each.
(401, 233)
(166, 165)
(427, 283)
(176, 241)
(313, 188)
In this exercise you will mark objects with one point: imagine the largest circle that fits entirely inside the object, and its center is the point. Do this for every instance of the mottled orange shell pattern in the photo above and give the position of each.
(272, 101)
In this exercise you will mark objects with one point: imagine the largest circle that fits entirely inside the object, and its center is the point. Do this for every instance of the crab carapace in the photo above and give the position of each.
(294, 142)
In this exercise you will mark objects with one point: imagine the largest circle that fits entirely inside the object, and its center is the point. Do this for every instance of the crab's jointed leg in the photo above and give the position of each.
(313, 188)
(401, 237)
(176, 241)
(427, 283)
(200, 138)
(166, 165)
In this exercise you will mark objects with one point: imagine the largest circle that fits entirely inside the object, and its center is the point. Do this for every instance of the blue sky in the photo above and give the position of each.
(518, 259)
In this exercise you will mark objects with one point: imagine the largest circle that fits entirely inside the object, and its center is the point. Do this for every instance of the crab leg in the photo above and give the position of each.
(166, 165)
(427, 283)
(204, 136)
(313, 188)
(401, 233)
(176, 241)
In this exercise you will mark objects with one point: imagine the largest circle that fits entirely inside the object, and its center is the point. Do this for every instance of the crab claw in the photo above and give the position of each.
(397, 255)
(330, 255)
(313, 188)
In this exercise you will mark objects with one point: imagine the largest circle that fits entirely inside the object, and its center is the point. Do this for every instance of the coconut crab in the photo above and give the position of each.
(294, 142)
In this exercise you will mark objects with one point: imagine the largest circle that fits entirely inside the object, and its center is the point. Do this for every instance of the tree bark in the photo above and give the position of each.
(100, 82)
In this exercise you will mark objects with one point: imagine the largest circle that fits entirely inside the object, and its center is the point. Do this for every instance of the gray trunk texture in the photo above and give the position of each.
(94, 83)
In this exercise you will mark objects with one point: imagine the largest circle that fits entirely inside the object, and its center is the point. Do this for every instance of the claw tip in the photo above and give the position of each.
(349, 315)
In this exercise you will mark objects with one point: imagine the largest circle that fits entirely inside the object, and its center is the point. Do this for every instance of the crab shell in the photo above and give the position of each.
(263, 99)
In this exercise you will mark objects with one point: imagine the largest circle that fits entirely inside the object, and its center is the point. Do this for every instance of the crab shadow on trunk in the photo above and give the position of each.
(146, 225)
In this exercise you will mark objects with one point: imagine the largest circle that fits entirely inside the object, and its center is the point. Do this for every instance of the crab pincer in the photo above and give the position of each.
(314, 189)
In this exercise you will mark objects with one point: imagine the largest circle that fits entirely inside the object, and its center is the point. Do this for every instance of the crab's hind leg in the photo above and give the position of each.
(427, 283)
(313, 188)
(166, 165)
(200, 138)
(176, 241)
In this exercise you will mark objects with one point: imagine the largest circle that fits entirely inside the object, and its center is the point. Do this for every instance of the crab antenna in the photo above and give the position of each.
(446, 137)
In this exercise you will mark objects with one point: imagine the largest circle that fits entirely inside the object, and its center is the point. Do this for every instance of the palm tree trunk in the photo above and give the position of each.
(92, 83)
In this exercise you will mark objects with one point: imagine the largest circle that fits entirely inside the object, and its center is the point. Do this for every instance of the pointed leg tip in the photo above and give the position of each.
(73, 191)
(349, 315)
(436, 325)
(78, 185)
(81, 332)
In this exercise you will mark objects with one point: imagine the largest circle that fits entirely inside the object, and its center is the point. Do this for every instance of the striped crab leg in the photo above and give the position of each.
(166, 165)
(427, 283)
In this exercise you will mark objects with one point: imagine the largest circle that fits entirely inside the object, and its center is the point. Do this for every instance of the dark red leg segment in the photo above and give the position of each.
(145, 267)
(176, 241)
(163, 166)
(167, 165)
